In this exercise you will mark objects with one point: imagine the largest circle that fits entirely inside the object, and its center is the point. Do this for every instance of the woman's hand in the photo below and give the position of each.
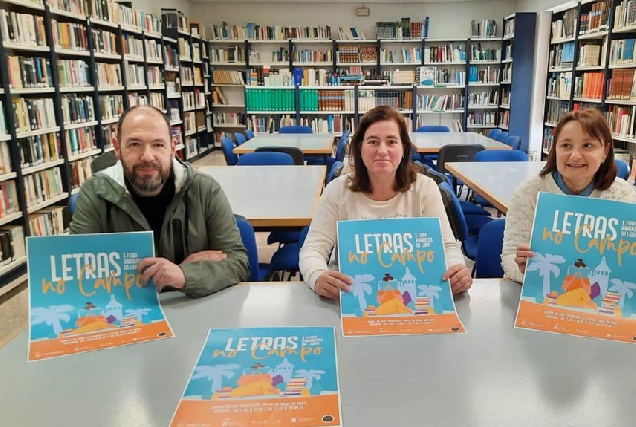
(460, 278)
(523, 253)
(330, 282)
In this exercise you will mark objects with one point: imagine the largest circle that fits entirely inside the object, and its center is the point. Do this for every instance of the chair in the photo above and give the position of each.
(500, 156)
(493, 133)
(239, 138)
(336, 170)
(294, 152)
(339, 156)
(265, 158)
(514, 141)
(104, 161)
(286, 258)
(501, 136)
(72, 202)
(456, 153)
(228, 151)
(249, 134)
(489, 247)
(458, 221)
(295, 129)
(258, 272)
(430, 159)
(623, 168)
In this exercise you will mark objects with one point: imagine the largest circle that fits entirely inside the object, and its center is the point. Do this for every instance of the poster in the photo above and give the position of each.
(397, 266)
(582, 278)
(247, 377)
(85, 294)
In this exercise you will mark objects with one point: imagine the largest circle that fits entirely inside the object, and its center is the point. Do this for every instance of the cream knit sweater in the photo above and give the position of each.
(423, 199)
(520, 216)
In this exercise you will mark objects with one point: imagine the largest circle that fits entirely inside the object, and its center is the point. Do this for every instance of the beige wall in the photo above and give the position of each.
(537, 5)
(447, 19)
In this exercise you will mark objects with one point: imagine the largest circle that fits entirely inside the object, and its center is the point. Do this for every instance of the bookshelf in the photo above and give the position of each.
(68, 71)
(592, 65)
(429, 80)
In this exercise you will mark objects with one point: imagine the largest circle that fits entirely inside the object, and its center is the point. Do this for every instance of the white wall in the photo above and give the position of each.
(537, 5)
(154, 6)
(450, 19)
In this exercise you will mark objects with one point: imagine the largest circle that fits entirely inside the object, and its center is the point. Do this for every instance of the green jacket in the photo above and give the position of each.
(198, 218)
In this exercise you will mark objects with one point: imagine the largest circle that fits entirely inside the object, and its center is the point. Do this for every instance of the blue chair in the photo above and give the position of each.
(335, 171)
(500, 156)
(72, 202)
(514, 141)
(239, 138)
(295, 129)
(493, 133)
(258, 272)
(501, 136)
(623, 168)
(228, 151)
(286, 258)
(261, 158)
(489, 247)
(340, 152)
(430, 159)
(249, 134)
(458, 221)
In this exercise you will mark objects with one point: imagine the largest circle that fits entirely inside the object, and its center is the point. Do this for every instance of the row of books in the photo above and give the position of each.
(69, 35)
(42, 186)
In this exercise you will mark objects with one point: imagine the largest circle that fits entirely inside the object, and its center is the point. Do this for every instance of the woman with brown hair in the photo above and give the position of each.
(383, 184)
(580, 162)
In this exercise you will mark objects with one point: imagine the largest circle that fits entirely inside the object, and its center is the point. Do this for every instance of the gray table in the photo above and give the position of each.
(271, 196)
(432, 142)
(492, 376)
(308, 143)
(495, 181)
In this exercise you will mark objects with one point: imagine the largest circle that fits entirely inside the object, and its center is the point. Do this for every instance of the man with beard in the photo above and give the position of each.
(196, 239)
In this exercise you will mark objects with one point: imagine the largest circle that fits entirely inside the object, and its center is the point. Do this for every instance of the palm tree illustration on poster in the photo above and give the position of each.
(396, 266)
(86, 284)
(585, 250)
(259, 363)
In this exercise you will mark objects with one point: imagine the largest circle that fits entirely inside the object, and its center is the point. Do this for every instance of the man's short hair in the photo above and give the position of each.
(122, 118)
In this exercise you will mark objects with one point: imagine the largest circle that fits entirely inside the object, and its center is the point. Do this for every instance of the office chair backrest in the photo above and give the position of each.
(456, 153)
(493, 133)
(295, 129)
(454, 212)
(623, 168)
(249, 134)
(514, 141)
(489, 247)
(265, 158)
(228, 151)
(239, 138)
(249, 241)
(501, 156)
(432, 128)
(295, 152)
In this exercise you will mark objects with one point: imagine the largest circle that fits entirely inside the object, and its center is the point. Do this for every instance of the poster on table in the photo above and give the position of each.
(397, 266)
(85, 294)
(274, 376)
(582, 278)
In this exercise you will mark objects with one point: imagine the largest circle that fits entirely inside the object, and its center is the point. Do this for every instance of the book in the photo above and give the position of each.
(396, 265)
(582, 277)
(85, 294)
(244, 377)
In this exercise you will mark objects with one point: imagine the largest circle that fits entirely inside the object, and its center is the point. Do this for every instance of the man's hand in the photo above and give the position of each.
(460, 278)
(205, 256)
(330, 282)
(162, 272)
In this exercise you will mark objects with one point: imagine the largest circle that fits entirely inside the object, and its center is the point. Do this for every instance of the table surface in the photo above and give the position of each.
(495, 181)
(431, 142)
(309, 143)
(271, 196)
(494, 375)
